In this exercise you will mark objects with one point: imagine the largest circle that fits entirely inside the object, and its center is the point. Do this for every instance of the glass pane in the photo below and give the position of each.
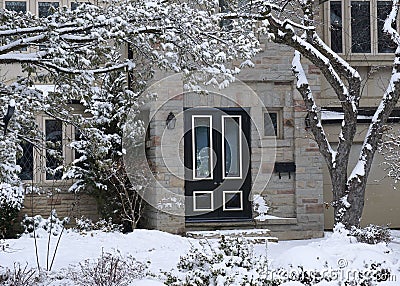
(75, 5)
(202, 143)
(232, 135)
(233, 200)
(17, 6)
(203, 201)
(360, 27)
(47, 8)
(26, 161)
(385, 43)
(271, 124)
(54, 148)
(336, 27)
(224, 8)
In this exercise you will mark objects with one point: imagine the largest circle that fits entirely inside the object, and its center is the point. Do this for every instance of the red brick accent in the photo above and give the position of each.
(54, 201)
(312, 69)
(299, 105)
(312, 150)
(285, 192)
(178, 97)
(310, 201)
(314, 209)
(156, 141)
(288, 122)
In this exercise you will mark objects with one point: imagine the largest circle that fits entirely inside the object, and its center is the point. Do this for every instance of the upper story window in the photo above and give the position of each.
(356, 27)
(17, 6)
(45, 9)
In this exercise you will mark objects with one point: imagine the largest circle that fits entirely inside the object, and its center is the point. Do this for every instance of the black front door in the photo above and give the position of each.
(217, 164)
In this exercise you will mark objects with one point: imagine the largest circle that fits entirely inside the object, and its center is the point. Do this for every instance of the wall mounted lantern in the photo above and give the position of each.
(9, 114)
(171, 121)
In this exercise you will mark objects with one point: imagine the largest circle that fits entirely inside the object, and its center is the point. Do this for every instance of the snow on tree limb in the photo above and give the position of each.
(315, 122)
(385, 108)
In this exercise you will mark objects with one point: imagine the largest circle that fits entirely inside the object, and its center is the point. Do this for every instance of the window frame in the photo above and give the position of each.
(211, 156)
(26, 1)
(346, 32)
(60, 4)
(34, 165)
(279, 122)
(63, 145)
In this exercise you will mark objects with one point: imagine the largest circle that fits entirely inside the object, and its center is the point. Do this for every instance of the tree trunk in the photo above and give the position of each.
(348, 199)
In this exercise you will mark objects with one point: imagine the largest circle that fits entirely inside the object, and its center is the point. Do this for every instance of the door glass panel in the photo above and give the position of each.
(202, 142)
(203, 201)
(233, 200)
(232, 146)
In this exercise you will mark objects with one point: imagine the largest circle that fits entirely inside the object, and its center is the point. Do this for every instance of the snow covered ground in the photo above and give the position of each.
(336, 254)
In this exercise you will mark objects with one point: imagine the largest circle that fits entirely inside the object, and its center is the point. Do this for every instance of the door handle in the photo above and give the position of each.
(217, 183)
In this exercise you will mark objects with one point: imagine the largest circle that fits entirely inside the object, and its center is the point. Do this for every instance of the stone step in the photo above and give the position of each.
(257, 236)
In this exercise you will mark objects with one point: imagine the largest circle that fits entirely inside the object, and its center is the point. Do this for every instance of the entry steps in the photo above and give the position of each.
(257, 236)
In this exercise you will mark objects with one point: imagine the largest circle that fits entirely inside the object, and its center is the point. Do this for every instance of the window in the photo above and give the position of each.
(54, 148)
(45, 9)
(75, 5)
(203, 201)
(272, 124)
(385, 44)
(359, 29)
(202, 142)
(226, 6)
(17, 6)
(26, 161)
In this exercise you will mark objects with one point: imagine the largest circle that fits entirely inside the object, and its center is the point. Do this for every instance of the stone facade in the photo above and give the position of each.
(66, 204)
(295, 202)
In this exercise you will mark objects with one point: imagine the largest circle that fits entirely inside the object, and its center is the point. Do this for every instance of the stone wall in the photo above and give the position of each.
(66, 205)
(296, 203)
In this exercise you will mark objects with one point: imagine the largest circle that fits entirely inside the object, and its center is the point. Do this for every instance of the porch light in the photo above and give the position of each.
(9, 114)
(171, 120)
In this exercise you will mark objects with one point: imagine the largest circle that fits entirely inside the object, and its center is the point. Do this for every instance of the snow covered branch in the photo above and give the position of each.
(315, 122)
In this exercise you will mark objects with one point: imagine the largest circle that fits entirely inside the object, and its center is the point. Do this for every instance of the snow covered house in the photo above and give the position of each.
(241, 157)
(232, 150)
(354, 29)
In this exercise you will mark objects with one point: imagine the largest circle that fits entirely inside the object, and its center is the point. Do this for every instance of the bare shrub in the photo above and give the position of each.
(18, 276)
(109, 270)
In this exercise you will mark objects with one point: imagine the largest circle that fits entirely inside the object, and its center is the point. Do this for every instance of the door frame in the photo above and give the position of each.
(218, 185)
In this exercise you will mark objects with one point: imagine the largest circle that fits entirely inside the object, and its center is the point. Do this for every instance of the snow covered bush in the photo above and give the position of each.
(260, 207)
(372, 234)
(233, 262)
(85, 224)
(99, 168)
(108, 270)
(51, 225)
(18, 276)
(11, 192)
